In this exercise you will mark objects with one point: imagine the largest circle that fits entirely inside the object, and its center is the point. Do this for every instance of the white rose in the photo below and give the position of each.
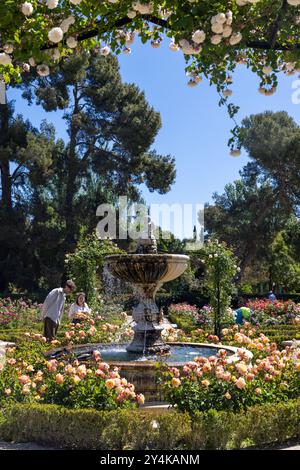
(8, 48)
(235, 39)
(267, 69)
(43, 70)
(227, 93)
(105, 50)
(131, 14)
(72, 42)
(199, 36)
(217, 28)
(5, 59)
(216, 39)
(173, 46)
(27, 9)
(235, 153)
(26, 67)
(51, 4)
(227, 31)
(55, 35)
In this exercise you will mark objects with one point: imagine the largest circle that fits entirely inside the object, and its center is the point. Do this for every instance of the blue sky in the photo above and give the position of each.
(195, 130)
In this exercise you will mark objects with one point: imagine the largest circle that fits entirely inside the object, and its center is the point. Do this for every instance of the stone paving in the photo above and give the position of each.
(33, 446)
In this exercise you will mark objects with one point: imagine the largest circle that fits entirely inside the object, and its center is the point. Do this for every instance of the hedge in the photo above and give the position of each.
(280, 333)
(184, 323)
(133, 430)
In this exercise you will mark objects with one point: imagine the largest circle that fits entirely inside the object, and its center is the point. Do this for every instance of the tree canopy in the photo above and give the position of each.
(214, 35)
(50, 189)
(257, 215)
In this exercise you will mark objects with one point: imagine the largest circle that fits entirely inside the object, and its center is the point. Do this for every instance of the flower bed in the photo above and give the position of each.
(18, 313)
(131, 429)
(27, 377)
(220, 384)
(189, 317)
(266, 312)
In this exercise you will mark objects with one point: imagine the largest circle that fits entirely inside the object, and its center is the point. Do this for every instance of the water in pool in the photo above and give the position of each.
(118, 353)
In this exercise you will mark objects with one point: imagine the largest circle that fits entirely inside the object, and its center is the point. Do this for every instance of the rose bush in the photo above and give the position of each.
(215, 37)
(189, 317)
(18, 313)
(28, 377)
(220, 383)
(266, 312)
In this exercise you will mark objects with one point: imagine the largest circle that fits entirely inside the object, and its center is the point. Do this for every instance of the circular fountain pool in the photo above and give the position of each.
(139, 369)
(179, 353)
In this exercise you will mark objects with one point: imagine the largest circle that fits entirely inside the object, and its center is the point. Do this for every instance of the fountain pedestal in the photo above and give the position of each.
(147, 330)
(147, 272)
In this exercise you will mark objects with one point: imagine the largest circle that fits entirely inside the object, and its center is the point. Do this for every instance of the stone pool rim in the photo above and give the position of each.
(150, 363)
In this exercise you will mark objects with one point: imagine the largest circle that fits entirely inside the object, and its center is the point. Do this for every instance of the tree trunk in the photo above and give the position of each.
(70, 237)
(6, 197)
(72, 171)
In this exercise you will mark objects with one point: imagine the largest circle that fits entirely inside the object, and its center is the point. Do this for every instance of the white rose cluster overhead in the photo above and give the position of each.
(215, 36)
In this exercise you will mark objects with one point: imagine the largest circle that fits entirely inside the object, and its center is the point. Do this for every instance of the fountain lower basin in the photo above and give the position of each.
(139, 369)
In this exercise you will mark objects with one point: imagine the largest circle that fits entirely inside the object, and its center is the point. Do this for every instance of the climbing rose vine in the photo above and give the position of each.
(214, 36)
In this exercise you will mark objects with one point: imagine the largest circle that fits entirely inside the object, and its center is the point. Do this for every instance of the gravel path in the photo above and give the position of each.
(33, 446)
(22, 446)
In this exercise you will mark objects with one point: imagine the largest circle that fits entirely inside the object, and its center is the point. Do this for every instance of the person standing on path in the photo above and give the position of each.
(272, 296)
(53, 308)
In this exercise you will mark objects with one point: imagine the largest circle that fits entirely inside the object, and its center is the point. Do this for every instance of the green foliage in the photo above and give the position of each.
(281, 333)
(133, 430)
(269, 135)
(265, 51)
(220, 384)
(51, 188)
(28, 377)
(284, 271)
(251, 202)
(220, 270)
(85, 264)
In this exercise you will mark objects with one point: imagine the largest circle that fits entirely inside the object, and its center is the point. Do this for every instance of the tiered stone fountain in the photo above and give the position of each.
(147, 271)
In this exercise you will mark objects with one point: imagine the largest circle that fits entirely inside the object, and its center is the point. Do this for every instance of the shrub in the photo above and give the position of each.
(18, 313)
(85, 264)
(258, 426)
(189, 317)
(90, 429)
(220, 383)
(28, 377)
(124, 429)
(220, 270)
(266, 312)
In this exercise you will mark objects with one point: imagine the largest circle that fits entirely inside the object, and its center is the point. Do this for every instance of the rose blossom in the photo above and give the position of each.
(205, 383)
(55, 35)
(110, 383)
(240, 383)
(27, 9)
(59, 378)
(140, 398)
(176, 382)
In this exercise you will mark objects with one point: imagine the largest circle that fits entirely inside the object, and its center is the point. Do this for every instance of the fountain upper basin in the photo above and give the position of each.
(147, 268)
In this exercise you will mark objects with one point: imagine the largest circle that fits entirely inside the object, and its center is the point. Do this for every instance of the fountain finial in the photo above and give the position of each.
(147, 242)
